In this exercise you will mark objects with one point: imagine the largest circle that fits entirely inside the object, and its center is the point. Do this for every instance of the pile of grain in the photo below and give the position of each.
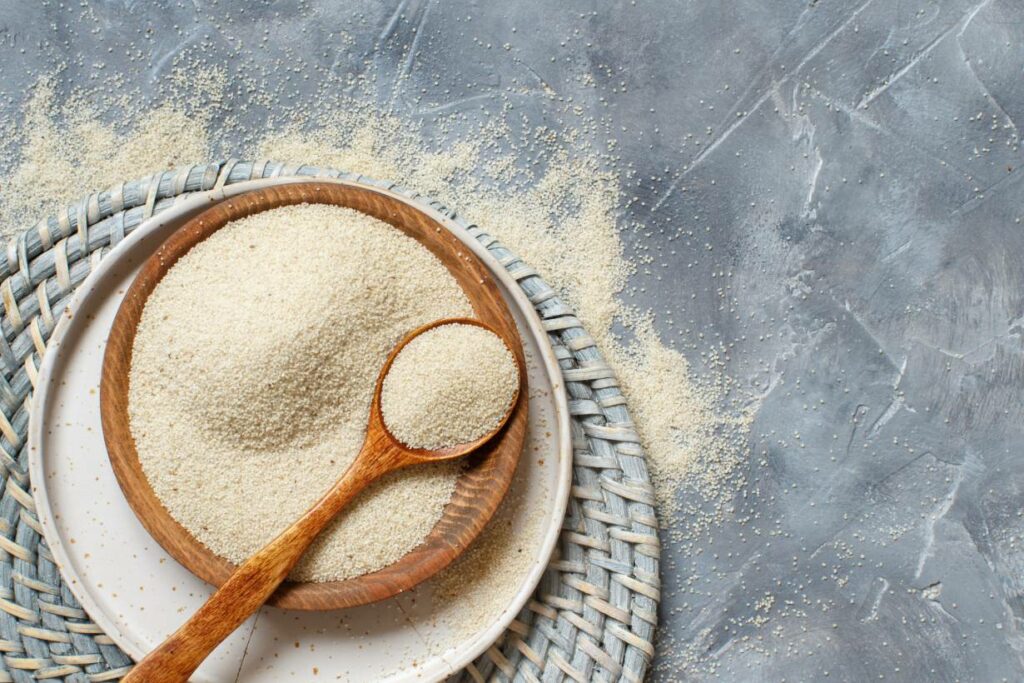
(252, 373)
(450, 385)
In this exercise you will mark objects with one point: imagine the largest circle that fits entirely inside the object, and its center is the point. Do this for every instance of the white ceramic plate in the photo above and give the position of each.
(138, 594)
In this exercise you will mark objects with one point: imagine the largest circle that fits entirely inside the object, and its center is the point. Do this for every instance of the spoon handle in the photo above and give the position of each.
(174, 660)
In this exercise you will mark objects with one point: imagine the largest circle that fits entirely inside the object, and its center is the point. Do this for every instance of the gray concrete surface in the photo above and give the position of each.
(856, 168)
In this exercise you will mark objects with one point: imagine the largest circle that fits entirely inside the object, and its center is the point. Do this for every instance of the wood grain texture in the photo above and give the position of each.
(174, 660)
(478, 491)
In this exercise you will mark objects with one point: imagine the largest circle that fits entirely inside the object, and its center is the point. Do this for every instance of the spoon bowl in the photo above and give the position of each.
(377, 422)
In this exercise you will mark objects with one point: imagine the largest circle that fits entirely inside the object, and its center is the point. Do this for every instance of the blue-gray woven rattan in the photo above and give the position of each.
(592, 618)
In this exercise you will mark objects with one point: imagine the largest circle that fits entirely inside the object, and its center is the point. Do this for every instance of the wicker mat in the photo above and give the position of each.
(592, 618)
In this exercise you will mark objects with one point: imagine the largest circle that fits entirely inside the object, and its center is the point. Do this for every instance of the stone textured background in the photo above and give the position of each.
(850, 172)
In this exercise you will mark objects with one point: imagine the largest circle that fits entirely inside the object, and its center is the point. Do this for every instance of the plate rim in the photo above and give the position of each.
(453, 659)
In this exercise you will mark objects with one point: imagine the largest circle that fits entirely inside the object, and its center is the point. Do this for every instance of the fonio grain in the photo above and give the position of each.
(252, 373)
(450, 385)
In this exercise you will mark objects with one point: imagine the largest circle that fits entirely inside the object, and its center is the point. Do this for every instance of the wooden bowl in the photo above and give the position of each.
(479, 489)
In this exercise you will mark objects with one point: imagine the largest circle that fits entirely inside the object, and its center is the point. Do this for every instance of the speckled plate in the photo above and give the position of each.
(138, 594)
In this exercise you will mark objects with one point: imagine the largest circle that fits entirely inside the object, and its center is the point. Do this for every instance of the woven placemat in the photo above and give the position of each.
(592, 618)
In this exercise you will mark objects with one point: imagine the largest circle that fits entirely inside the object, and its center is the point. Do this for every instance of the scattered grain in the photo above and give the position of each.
(551, 192)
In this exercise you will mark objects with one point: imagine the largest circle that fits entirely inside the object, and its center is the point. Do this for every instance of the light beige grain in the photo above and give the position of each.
(450, 385)
(252, 374)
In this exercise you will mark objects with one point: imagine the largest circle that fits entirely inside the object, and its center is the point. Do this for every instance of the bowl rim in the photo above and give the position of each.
(481, 485)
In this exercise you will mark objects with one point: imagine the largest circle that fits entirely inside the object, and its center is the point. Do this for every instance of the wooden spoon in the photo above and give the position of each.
(255, 580)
